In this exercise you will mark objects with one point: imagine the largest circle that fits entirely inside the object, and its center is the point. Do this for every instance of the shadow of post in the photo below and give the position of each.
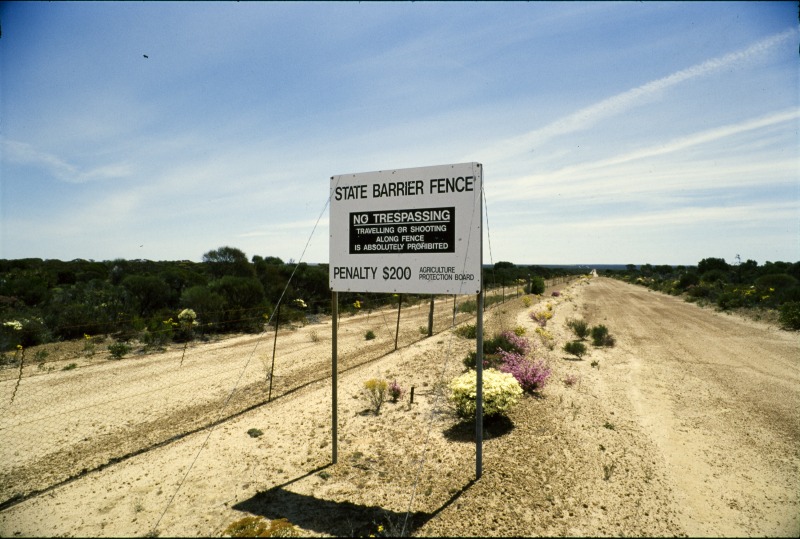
(338, 519)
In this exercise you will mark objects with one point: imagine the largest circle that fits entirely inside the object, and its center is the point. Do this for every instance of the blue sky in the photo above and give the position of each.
(620, 132)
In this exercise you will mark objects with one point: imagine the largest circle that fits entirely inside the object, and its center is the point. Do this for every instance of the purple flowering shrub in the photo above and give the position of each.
(531, 375)
(395, 391)
(507, 341)
(506, 352)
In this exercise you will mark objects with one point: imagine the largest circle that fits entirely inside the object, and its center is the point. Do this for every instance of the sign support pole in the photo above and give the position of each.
(334, 415)
(479, 391)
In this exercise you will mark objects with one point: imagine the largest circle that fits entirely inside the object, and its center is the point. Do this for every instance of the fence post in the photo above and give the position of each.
(274, 344)
(397, 331)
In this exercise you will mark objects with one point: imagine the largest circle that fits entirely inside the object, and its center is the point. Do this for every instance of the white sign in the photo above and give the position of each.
(413, 230)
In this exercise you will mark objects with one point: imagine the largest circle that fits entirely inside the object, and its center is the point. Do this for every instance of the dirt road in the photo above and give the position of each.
(688, 426)
(720, 398)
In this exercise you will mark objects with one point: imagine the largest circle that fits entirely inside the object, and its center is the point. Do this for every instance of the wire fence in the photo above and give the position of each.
(82, 411)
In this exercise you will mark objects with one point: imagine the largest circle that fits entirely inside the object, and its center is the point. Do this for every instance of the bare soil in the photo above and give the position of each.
(689, 425)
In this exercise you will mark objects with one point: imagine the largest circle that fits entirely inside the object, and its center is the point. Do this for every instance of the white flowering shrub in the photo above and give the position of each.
(500, 392)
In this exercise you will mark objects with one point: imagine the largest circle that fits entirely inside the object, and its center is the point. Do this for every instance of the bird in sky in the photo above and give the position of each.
(145, 56)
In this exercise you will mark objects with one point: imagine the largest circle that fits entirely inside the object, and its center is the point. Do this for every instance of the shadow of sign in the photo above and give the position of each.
(338, 519)
(493, 427)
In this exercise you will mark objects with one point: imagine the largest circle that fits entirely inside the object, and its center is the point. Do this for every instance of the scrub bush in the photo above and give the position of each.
(576, 348)
(789, 315)
(531, 375)
(601, 337)
(118, 349)
(579, 327)
(375, 391)
(395, 391)
(500, 392)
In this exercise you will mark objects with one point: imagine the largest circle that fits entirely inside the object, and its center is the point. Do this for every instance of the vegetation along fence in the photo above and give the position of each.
(155, 372)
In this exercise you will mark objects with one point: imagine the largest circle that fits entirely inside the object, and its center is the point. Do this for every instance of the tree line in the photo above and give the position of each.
(741, 285)
(50, 300)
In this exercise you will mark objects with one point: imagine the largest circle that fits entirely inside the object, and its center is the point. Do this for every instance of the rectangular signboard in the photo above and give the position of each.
(414, 230)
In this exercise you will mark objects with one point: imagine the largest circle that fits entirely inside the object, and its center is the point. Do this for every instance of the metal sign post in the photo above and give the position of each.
(334, 389)
(479, 391)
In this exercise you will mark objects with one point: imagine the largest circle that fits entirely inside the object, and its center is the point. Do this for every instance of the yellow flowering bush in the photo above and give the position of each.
(546, 337)
(375, 392)
(500, 391)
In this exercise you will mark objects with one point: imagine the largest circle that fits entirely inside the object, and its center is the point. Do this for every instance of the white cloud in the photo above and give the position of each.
(22, 153)
(639, 172)
(591, 115)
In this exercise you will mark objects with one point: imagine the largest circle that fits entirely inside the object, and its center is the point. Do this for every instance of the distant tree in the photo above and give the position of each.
(147, 293)
(228, 261)
(708, 264)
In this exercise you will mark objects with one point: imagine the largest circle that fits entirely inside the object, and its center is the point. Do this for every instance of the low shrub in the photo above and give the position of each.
(258, 527)
(576, 348)
(118, 349)
(531, 375)
(579, 327)
(369, 335)
(375, 391)
(467, 331)
(541, 317)
(500, 392)
(536, 286)
(546, 337)
(469, 306)
(789, 315)
(507, 341)
(601, 336)
(490, 361)
(395, 391)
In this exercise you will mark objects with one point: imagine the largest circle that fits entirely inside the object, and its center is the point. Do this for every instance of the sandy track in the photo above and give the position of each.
(720, 397)
(684, 427)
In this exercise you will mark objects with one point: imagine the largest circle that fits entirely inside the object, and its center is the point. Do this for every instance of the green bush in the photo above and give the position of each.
(369, 335)
(601, 337)
(490, 361)
(536, 286)
(500, 392)
(576, 348)
(469, 306)
(789, 315)
(118, 349)
(467, 331)
(688, 279)
(579, 327)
